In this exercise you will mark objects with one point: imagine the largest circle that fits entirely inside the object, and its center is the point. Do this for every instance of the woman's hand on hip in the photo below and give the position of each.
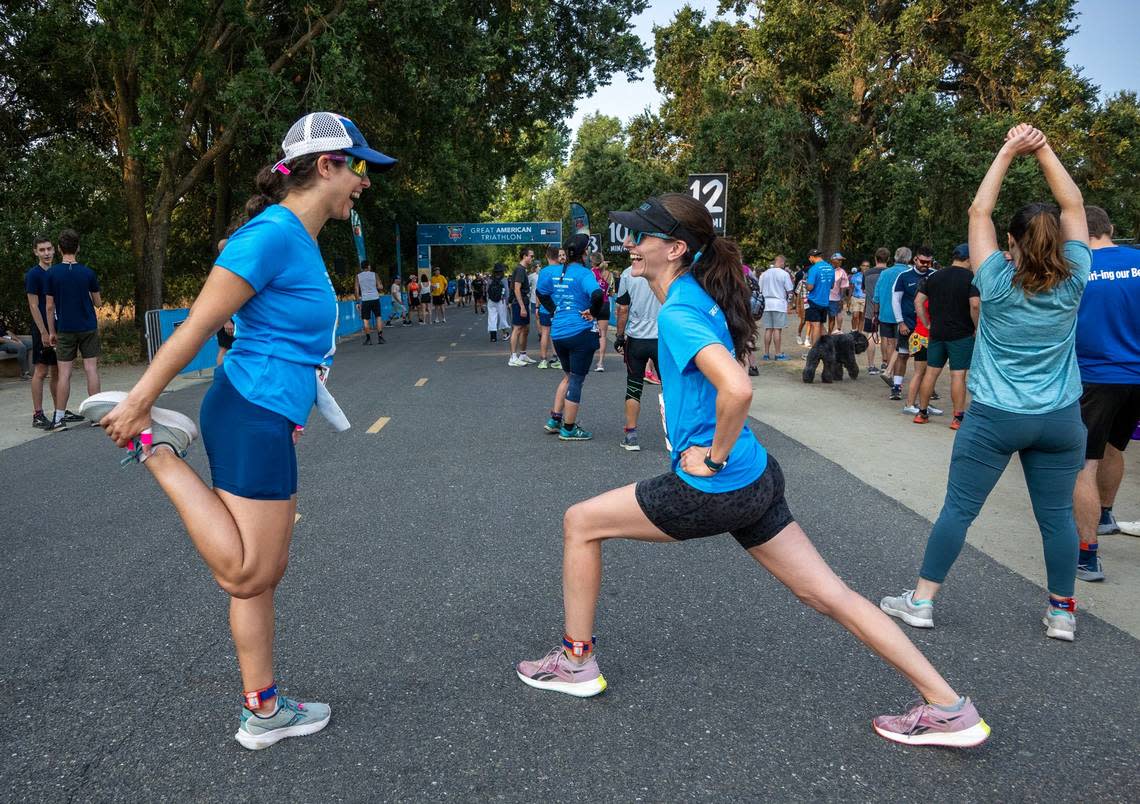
(693, 462)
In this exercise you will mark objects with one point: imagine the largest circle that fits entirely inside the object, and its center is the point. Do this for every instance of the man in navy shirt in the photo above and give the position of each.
(43, 355)
(903, 294)
(73, 294)
(1108, 353)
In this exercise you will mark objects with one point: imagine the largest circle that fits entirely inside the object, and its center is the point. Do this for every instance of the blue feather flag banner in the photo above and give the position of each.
(579, 219)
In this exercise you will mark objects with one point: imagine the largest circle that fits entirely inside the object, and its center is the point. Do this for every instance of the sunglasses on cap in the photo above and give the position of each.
(357, 166)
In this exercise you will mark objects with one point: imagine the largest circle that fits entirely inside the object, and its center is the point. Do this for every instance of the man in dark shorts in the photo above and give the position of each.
(43, 354)
(871, 313)
(520, 309)
(955, 305)
(1108, 353)
(888, 322)
(479, 293)
(820, 277)
(73, 295)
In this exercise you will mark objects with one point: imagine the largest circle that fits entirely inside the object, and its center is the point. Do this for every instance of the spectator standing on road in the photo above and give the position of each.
(919, 341)
(73, 295)
(13, 344)
(857, 301)
(721, 480)
(954, 309)
(520, 309)
(799, 296)
(1024, 380)
(497, 294)
(837, 298)
(905, 291)
(438, 297)
(425, 298)
(479, 293)
(635, 338)
(776, 285)
(273, 277)
(571, 293)
(820, 278)
(43, 353)
(548, 359)
(399, 309)
(368, 301)
(1108, 353)
(605, 281)
(889, 322)
(871, 317)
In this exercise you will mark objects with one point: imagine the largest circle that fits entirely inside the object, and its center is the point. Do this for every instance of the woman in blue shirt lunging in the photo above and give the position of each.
(722, 479)
(272, 279)
(1024, 380)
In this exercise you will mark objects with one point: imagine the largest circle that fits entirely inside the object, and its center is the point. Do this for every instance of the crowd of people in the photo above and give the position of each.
(1030, 318)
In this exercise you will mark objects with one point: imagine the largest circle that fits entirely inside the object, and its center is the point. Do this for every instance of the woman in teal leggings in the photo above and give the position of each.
(1024, 380)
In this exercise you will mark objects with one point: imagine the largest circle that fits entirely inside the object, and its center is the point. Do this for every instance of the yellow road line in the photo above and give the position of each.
(421, 382)
(378, 425)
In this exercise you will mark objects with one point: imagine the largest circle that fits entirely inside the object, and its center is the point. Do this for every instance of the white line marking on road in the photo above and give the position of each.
(296, 518)
(441, 358)
(453, 343)
(421, 382)
(378, 425)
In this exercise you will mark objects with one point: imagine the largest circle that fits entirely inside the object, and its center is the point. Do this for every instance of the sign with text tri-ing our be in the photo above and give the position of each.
(711, 189)
(488, 234)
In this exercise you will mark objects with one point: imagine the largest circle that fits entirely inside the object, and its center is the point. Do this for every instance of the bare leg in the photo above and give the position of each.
(560, 394)
(63, 384)
(794, 561)
(927, 387)
(584, 527)
(632, 411)
(603, 327)
(915, 382)
(1086, 502)
(778, 339)
(38, 373)
(870, 351)
(91, 369)
(958, 390)
(1111, 474)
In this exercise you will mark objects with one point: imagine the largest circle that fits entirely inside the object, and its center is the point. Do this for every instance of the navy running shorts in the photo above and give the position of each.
(250, 448)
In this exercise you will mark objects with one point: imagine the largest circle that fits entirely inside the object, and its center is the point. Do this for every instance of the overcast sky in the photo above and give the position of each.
(1105, 48)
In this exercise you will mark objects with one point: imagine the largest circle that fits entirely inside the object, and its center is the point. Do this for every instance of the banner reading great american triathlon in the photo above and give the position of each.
(484, 234)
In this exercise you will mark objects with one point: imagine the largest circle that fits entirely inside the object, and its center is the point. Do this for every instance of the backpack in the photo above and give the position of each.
(495, 290)
(756, 296)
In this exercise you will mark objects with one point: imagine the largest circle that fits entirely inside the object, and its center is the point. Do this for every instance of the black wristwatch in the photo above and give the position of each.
(713, 465)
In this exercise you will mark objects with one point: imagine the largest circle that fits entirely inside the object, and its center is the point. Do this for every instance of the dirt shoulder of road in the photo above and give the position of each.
(857, 427)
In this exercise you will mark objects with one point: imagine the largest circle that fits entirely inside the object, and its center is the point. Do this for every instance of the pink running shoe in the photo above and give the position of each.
(926, 724)
(556, 672)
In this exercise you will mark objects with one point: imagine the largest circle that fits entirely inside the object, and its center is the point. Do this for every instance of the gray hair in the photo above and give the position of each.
(902, 254)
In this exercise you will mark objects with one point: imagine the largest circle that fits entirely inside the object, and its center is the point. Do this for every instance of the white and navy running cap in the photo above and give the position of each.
(324, 132)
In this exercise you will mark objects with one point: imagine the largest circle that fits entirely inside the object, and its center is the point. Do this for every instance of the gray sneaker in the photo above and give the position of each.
(919, 614)
(629, 442)
(1091, 571)
(167, 426)
(1107, 525)
(292, 719)
(1059, 624)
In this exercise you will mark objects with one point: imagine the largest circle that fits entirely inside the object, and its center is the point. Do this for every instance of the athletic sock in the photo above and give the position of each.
(954, 707)
(1088, 553)
(567, 426)
(57, 417)
(556, 416)
(898, 381)
(514, 355)
(923, 412)
(629, 429)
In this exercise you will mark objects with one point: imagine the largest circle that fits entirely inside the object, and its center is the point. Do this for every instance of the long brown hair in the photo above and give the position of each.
(718, 269)
(272, 186)
(1041, 266)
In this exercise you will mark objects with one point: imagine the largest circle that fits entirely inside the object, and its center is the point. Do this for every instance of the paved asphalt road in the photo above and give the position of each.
(427, 560)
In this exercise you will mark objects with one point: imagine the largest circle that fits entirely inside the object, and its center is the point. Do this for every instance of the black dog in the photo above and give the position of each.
(836, 352)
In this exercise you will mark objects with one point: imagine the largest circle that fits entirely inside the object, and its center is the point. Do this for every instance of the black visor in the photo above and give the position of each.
(653, 217)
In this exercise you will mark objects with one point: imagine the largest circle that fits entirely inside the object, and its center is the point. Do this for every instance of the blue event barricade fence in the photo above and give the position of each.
(160, 325)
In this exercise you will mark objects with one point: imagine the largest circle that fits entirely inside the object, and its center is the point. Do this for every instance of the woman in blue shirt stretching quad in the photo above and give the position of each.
(272, 279)
(722, 479)
(1024, 380)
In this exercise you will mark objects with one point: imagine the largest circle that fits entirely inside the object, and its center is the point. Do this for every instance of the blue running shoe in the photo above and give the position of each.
(292, 719)
(575, 434)
(1106, 527)
(552, 425)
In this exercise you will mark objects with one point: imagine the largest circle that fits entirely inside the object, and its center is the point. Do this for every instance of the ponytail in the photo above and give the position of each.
(1041, 265)
(272, 185)
(718, 268)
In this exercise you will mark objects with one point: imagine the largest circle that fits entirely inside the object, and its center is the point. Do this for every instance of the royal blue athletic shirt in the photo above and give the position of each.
(1108, 347)
(71, 285)
(885, 292)
(288, 328)
(571, 294)
(821, 276)
(1024, 360)
(688, 322)
(857, 285)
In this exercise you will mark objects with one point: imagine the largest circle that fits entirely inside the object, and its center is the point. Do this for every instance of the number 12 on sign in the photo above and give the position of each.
(711, 189)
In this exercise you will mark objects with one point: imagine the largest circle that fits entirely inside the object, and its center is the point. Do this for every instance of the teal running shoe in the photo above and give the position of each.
(552, 425)
(574, 434)
(292, 719)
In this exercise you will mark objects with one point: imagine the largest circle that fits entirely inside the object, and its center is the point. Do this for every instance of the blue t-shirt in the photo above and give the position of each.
(821, 276)
(907, 283)
(288, 327)
(36, 284)
(857, 285)
(1024, 360)
(451, 286)
(1108, 323)
(71, 284)
(885, 292)
(688, 322)
(571, 293)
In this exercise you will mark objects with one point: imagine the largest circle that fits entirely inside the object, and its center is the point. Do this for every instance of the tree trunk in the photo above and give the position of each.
(829, 203)
(222, 197)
